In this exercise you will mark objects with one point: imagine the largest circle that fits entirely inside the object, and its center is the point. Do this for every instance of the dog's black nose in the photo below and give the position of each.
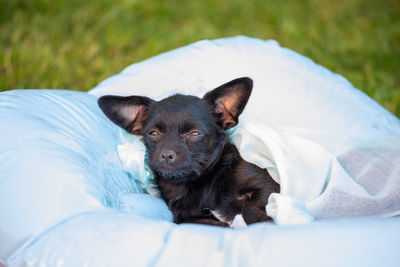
(168, 156)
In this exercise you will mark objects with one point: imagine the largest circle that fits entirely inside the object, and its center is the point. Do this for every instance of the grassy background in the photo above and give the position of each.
(76, 44)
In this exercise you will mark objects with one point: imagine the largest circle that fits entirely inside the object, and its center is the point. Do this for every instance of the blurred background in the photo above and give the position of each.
(75, 44)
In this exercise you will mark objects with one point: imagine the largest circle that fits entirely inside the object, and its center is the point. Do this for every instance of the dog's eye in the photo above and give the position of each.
(194, 133)
(154, 133)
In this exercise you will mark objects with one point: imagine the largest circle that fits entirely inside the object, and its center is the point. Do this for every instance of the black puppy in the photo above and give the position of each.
(200, 175)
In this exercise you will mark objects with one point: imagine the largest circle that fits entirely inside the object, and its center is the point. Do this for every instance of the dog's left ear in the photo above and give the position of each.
(129, 112)
(228, 101)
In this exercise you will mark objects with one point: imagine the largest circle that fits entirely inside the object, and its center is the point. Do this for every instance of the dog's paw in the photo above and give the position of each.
(205, 221)
(238, 222)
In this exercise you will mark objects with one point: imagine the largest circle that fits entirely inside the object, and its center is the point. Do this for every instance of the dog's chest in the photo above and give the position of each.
(200, 197)
(193, 198)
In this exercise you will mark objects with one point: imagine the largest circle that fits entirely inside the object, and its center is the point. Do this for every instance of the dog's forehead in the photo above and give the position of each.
(179, 100)
(185, 104)
(180, 110)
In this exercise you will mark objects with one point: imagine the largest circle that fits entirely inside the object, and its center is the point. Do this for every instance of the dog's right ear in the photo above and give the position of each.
(227, 101)
(128, 113)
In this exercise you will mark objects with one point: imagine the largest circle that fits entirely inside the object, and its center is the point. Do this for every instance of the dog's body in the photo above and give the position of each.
(199, 173)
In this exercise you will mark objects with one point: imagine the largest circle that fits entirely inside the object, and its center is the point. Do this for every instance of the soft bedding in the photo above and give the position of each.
(334, 151)
(73, 187)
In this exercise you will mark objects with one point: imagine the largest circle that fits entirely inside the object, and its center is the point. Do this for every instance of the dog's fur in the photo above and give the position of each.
(198, 172)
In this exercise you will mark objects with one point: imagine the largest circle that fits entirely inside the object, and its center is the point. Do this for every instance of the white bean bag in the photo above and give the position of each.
(327, 143)
(71, 189)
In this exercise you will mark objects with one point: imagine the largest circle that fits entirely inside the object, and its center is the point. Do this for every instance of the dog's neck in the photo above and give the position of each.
(216, 156)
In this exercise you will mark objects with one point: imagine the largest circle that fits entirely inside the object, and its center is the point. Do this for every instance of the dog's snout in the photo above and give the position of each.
(168, 156)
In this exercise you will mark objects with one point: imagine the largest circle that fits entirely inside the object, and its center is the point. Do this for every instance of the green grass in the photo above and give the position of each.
(76, 44)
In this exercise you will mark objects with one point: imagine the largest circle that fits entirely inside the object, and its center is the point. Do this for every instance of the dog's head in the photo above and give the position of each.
(184, 134)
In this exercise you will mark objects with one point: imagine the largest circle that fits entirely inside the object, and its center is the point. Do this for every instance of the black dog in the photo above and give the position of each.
(200, 175)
